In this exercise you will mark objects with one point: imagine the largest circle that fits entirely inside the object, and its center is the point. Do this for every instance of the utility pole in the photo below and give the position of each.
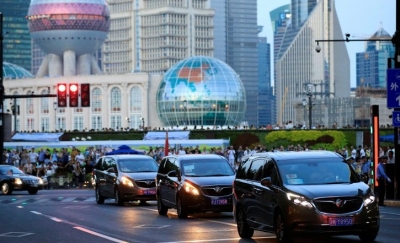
(1, 88)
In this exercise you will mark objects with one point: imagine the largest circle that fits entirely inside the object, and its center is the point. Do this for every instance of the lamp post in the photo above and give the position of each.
(184, 110)
(55, 106)
(142, 119)
(309, 93)
(1, 86)
(304, 101)
(128, 121)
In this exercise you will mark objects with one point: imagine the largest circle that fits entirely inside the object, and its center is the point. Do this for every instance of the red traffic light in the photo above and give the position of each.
(85, 95)
(73, 95)
(62, 87)
(62, 95)
(73, 87)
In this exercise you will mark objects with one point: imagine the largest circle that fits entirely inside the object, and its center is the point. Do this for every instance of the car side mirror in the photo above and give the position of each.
(111, 170)
(266, 181)
(172, 173)
(178, 174)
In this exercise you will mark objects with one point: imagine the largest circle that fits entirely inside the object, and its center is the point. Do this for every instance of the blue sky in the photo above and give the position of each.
(360, 18)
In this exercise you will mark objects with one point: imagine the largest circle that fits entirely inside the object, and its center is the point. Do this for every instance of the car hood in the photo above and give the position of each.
(141, 175)
(24, 176)
(211, 180)
(330, 190)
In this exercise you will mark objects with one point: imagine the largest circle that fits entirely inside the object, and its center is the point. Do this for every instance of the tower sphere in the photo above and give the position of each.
(69, 25)
(201, 91)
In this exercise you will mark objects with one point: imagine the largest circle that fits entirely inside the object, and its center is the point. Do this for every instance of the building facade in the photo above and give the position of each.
(300, 69)
(151, 36)
(17, 40)
(118, 102)
(372, 63)
(266, 104)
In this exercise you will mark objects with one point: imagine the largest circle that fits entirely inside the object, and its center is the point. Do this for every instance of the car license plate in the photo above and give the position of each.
(219, 201)
(340, 221)
(150, 192)
(34, 185)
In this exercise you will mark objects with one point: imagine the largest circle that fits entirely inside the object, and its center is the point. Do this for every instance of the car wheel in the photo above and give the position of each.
(118, 199)
(368, 236)
(6, 188)
(162, 209)
(282, 235)
(32, 191)
(99, 197)
(142, 202)
(243, 229)
(181, 210)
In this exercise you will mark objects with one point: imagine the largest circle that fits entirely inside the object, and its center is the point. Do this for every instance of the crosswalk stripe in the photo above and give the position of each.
(68, 199)
(90, 199)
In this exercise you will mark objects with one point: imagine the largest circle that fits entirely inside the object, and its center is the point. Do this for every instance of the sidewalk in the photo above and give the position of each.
(392, 203)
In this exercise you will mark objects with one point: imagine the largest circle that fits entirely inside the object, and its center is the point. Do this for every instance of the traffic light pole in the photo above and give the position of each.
(396, 43)
(1, 89)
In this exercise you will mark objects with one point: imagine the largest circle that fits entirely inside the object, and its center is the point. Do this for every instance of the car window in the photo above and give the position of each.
(243, 168)
(316, 171)
(209, 167)
(256, 165)
(269, 170)
(108, 162)
(170, 165)
(99, 164)
(11, 170)
(137, 165)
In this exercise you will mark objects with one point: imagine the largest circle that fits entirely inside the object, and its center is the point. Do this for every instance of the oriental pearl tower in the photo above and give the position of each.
(69, 32)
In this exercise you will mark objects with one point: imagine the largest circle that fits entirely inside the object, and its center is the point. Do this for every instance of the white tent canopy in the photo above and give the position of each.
(172, 135)
(37, 137)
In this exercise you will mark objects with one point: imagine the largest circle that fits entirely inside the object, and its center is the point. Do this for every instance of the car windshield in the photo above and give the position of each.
(137, 165)
(10, 170)
(316, 171)
(201, 168)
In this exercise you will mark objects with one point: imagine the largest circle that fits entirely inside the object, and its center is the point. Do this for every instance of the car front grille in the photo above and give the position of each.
(30, 181)
(146, 183)
(217, 191)
(338, 205)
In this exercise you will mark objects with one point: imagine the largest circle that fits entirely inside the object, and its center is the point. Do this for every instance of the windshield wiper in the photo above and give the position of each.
(217, 175)
(337, 182)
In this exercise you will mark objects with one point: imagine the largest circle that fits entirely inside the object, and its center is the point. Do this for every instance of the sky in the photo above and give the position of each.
(359, 18)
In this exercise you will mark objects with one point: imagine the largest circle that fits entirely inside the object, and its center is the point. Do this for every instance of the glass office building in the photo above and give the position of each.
(201, 91)
(17, 40)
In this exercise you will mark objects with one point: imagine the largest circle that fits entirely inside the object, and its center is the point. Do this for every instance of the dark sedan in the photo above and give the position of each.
(13, 179)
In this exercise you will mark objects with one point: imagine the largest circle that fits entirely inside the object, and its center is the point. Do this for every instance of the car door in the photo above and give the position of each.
(99, 176)
(267, 196)
(164, 180)
(110, 177)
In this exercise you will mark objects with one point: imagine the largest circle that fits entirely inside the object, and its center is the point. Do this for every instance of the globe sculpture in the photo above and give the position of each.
(201, 91)
(69, 32)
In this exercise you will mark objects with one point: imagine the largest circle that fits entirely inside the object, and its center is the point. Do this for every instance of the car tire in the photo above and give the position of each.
(142, 202)
(6, 188)
(243, 228)
(181, 210)
(32, 191)
(99, 198)
(118, 200)
(162, 209)
(368, 236)
(281, 232)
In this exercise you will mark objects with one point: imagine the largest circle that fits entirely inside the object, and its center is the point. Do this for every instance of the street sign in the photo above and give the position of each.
(396, 118)
(393, 88)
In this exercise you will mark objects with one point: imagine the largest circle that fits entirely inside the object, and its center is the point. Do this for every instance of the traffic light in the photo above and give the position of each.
(73, 95)
(62, 95)
(85, 95)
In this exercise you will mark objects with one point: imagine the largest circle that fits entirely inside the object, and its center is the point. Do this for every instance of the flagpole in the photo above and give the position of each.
(166, 146)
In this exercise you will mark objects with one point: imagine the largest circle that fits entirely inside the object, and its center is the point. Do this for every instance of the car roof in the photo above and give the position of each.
(292, 155)
(197, 156)
(129, 156)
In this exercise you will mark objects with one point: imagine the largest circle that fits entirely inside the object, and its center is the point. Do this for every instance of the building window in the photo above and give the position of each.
(61, 123)
(45, 124)
(30, 124)
(96, 100)
(116, 122)
(97, 123)
(44, 104)
(29, 105)
(78, 123)
(115, 100)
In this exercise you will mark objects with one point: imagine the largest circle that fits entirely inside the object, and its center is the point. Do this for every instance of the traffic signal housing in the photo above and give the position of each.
(85, 95)
(73, 95)
(62, 95)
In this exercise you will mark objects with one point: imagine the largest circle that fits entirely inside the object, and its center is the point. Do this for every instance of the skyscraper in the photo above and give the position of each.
(372, 63)
(17, 40)
(299, 67)
(266, 104)
(152, 36)
(238, 36)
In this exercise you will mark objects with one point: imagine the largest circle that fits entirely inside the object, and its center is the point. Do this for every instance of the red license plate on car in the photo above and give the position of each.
(149, 192)
(346, 221)
(219, 201)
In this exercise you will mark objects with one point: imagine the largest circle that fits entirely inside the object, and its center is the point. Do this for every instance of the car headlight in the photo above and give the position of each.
(125, 181)
(191, 189)
(40, 181)
(369, 200)
(17, 181)
(299, 200)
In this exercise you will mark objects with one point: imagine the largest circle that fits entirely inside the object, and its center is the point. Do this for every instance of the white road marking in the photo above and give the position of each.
(91, 199)
(100, 235)
(36, 212)
(218, 240)
(391, 213)
(56, 219)
(69, 199)
(20, 206)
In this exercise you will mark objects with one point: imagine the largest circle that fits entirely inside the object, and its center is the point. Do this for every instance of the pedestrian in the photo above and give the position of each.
(33, 156)
(365, 169)
(382, 178)
(231, 156)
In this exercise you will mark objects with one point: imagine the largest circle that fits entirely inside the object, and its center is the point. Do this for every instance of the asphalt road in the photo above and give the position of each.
(73, 216)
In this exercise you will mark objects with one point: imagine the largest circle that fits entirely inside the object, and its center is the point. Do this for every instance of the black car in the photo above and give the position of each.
(13, 179)
(194, 183)
(125, 178)
(303, 193)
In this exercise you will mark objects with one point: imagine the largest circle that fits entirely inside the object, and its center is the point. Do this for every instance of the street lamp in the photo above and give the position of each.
(55, 106)
(304, 101)
(185, 114)
(142, 119)
(309, 93)
(128, 120)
